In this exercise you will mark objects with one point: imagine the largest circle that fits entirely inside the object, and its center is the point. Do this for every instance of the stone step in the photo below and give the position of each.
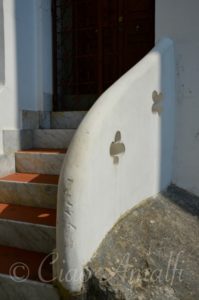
(37, 190)
(21, 278)
(27, 228)
(66, 119)
(43, 161)
(52, 138)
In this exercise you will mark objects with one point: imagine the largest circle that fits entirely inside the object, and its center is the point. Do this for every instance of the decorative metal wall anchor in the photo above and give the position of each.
(117, 148)
(157, 106)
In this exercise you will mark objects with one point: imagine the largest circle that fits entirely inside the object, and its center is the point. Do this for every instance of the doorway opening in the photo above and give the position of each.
(95, 42)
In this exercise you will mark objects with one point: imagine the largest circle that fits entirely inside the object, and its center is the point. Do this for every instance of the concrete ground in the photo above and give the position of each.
(151, 253)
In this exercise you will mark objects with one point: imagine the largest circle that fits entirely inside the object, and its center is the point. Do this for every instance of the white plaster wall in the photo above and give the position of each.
(2, 57)
(93, 191)
(28, 60)
(8, 91)
(34, 50)
(179, 20)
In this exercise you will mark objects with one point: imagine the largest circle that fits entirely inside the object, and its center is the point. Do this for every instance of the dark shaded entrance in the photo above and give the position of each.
(95, 42)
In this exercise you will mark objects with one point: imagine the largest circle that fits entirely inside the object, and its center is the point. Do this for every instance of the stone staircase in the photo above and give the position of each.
(28, 212)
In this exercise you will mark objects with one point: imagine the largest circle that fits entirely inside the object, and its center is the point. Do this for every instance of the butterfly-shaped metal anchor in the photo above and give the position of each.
(116, 147)
(157, 106)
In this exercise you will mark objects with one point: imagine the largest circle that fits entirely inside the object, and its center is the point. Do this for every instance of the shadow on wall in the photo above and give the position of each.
(25, 32)
(167, 119)
(34, 54)
(28, 74)
(16, 48)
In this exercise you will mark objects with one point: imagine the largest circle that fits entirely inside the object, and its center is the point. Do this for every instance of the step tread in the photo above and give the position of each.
(31, 178)
(25, 263)
(34, 215)
(42, 151)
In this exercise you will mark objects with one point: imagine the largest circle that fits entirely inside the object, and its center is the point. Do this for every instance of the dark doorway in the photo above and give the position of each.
(95, 42)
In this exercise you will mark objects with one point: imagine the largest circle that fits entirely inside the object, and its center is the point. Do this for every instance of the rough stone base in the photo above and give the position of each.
(151, 254)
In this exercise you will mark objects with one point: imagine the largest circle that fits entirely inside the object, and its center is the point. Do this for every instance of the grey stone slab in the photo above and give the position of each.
(26, 290)
(7, 164)
(151, 253)
(44, 120)
(14, 140)
(43, 163)
(31, 194)
(36, 119)
(30, 119)
(52, 138)
(68, 119)
(32, 237)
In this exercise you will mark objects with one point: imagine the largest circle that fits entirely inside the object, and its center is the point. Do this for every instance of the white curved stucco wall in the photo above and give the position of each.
(93, 191)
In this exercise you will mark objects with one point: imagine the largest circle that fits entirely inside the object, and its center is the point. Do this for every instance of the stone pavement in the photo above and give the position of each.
(152, 253)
